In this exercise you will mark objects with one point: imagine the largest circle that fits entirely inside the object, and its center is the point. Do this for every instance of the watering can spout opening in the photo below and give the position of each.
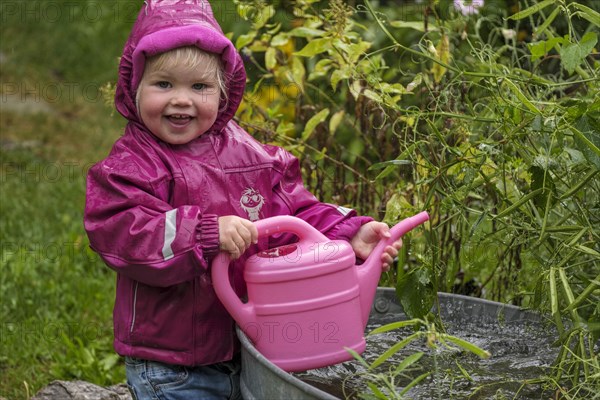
(370, 272)
(396, 232)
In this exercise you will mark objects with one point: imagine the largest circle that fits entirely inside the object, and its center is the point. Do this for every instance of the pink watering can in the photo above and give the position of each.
(307, 301)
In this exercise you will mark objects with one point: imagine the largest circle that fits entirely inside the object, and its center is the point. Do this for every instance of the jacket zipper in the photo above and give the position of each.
(134, 307)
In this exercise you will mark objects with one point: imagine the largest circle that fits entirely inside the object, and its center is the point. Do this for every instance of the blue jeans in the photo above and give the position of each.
(151, 380)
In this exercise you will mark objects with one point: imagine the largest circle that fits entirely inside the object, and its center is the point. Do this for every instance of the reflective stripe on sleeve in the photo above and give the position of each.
(344, 210)
(170, 232)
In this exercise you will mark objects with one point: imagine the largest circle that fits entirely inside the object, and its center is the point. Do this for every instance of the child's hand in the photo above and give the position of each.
(367, 238)
(236, 235)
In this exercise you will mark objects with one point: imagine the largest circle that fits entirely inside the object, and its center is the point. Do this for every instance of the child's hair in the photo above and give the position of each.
(191, 57)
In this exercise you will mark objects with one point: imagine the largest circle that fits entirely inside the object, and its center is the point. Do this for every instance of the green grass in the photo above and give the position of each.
(56, 294)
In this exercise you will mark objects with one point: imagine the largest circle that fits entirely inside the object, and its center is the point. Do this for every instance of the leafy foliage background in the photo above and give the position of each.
(489, 121)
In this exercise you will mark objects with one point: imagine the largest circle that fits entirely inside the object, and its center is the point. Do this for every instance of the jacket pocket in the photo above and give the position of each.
(162, 317)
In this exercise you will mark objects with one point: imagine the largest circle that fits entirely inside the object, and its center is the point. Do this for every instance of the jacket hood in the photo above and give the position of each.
(163, 25)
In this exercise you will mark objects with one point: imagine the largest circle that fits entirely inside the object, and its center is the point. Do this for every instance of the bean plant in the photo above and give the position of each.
(485, 114)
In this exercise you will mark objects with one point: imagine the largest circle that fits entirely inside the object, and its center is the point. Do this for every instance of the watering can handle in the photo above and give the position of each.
(289, 224)
(244, 313)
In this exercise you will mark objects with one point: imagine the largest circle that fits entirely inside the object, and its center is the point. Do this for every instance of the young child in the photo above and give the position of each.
(183, 183)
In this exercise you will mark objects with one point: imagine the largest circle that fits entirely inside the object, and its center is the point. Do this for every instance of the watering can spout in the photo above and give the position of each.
(370, 272)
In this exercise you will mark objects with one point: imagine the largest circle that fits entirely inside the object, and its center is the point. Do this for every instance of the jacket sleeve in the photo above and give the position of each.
(292, 198)
(137, 233)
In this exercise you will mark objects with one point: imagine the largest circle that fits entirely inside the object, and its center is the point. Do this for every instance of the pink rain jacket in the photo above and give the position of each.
(152, 208)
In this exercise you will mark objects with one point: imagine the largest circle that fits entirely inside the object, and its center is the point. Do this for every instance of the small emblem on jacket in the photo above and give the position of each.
(252, 201)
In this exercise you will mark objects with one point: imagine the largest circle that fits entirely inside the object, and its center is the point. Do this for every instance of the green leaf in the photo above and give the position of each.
(394, 349)
(573, 54)
(518, 203)
(542, 28)
(109, 362)
(320, 155)
(368, 93)
(408, 361)
(391, 165)
(575, 188)
(541, 179)
(416, 25)
(588, 250)
(262, 17)
(285, 128)
(378, 393)
(467, 346)
(442, 54)
(553, 292)
(587, 13)
(385, 164)
(314, 47)
(303, 31)
(414, 383)
(415, 292)
(245, 39)
(414, 83)
(357, 357)
(587, 137)
(524, 100)
(541, 48)
(463, 371)
(356, 50)
(270, 58)
(321, 69)
(395, 325)
(280, 39)
(298, 72)
(313, 122)
(339, 74)
(532, 10)
(335, 121)
(323, 65)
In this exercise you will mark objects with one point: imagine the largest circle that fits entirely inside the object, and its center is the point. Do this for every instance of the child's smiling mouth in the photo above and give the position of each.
(179, 119)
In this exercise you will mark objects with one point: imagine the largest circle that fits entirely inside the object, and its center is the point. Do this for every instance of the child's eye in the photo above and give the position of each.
(198, 86)
(163, 84)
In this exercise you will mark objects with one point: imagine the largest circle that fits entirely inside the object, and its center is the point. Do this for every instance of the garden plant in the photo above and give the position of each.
(486, 114)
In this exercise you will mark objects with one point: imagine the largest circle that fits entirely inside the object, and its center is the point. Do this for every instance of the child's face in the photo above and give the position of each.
(178, 105)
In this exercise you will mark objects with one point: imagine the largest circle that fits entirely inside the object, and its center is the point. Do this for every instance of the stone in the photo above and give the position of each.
(81, 390)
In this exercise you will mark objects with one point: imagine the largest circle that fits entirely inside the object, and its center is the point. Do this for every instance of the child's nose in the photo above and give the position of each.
(181, 98)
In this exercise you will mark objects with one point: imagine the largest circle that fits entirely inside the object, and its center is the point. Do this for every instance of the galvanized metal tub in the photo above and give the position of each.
(262, 380)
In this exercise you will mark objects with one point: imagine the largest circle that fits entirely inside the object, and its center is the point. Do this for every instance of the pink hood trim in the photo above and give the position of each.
(165, 25)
